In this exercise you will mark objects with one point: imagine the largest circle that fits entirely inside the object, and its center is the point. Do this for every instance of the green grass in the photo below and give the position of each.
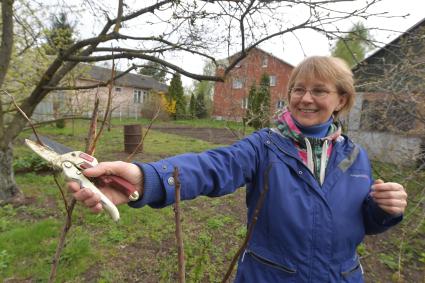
(142, 245)
(400, 248)
(29, 233)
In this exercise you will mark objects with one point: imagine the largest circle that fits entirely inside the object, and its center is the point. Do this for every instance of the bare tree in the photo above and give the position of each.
(391, 84)
(165, 28)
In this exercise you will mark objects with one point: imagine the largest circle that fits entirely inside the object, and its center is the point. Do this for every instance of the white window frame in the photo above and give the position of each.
(237, 83)
(145, 95)
(280, 104)
(137, 95)
(244, 103)
(264, 61)
(273, 80)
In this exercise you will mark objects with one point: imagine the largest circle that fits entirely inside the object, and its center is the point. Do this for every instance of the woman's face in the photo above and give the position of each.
(312, 102)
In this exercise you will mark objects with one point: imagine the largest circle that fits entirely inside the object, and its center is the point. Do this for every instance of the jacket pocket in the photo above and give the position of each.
(270, 263)
(352, 270)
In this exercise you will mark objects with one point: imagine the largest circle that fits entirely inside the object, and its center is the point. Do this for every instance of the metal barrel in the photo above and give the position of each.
(132, 137)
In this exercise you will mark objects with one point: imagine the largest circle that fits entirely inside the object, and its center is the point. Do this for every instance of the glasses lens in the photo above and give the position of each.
(318, 92)
(298, 91)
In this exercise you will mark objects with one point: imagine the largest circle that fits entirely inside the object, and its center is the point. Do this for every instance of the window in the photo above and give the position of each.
(280, 104)
(237, 83)
(272, 80)
(245, 103)
(137, 96)
(118, 89)
(264, 61)
(145, 96)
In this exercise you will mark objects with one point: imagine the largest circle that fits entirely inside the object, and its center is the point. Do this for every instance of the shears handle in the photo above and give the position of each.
(116, 182)
(73, 173)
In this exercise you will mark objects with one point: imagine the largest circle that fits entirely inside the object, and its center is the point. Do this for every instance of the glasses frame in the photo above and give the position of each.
(312, 92)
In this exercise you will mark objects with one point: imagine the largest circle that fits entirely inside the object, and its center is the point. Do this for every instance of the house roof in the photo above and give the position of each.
(390, 44)
(270, 54)
(226, 60)
(102, 74)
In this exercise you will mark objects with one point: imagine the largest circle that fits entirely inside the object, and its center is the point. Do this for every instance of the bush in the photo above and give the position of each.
(31, 162)
(60, 124)
(151, 106)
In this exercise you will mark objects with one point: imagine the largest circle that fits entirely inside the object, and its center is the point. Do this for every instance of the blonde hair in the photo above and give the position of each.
(328, 69)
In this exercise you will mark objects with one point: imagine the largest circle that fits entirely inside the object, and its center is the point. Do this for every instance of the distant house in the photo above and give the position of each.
(129, 93)
(231, 96)
(388, 117)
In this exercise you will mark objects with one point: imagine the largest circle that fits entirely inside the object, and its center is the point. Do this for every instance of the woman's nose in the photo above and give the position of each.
(307, 97)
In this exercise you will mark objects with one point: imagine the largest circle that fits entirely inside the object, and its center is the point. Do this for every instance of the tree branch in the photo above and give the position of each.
(119, 16)
(132, 55)
(100, 84)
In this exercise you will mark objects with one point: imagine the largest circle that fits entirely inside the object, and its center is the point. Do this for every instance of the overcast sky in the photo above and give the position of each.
(315, 44)
(289, 49)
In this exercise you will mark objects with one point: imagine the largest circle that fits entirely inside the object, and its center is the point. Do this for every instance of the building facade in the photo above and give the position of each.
(389, 115)
(231, 96)
(129, 93)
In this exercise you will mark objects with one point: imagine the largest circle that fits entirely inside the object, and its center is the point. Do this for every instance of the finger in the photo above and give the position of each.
(92, 201)
(389, 195)
(379, 181)
(392, 202)
(97, 208)
(103, 168)
(73, 187)
(118, 168)
(83, 194)
(387, 187)
(392, 210)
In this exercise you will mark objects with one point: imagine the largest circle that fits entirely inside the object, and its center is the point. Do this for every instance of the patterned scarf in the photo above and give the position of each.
(287, 127)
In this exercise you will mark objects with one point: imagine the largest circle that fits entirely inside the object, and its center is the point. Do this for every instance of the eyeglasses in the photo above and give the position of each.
(315, 92)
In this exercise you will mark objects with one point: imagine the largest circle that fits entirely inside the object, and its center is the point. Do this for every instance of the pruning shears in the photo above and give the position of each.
(72, 163)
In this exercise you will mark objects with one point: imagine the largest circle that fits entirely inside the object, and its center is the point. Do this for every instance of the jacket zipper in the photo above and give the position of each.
(345, 274)
(270, 263)
(302, 164)
(296, 158)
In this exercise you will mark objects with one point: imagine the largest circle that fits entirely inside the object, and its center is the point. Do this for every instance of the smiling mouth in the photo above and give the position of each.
(308, 110)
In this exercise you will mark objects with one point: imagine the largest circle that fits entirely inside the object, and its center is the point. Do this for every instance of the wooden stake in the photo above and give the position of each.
(179, 237)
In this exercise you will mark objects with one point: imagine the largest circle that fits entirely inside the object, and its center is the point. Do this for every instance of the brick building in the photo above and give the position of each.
(231, 96)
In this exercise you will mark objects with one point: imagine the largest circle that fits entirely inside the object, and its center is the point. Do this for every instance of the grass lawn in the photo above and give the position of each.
(141, 247)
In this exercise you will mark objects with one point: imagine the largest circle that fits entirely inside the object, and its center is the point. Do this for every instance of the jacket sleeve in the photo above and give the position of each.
(377, 220)
(211, 173)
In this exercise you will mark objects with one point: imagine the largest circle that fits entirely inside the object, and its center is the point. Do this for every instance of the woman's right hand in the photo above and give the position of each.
(128, 171)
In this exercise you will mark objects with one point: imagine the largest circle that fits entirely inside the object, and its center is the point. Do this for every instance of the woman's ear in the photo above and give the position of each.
(342, 101)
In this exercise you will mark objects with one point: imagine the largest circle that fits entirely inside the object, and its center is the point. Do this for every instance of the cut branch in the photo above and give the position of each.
(179, 236)
(251, 226)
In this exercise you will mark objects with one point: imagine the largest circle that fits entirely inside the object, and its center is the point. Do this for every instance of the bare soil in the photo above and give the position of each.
(213, 135)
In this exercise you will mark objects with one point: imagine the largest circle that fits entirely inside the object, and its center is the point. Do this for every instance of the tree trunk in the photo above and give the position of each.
(9, 192)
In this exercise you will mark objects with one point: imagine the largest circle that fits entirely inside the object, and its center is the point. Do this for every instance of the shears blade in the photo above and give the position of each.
(45, 153)
(55, 146)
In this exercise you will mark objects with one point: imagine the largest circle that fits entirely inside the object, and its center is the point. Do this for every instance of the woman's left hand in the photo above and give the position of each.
(391, 197)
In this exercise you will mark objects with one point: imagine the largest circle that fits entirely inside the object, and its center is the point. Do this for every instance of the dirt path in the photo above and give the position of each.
(214, 135)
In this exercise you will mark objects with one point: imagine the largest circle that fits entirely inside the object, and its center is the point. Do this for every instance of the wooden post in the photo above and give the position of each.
(179, 237)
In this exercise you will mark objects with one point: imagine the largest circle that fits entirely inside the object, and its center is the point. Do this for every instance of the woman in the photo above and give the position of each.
(321, 199)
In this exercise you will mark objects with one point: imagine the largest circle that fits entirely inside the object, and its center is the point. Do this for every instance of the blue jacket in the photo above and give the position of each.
(305, 232)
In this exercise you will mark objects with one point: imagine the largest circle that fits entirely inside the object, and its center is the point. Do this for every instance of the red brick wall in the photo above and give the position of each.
(228, 101)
